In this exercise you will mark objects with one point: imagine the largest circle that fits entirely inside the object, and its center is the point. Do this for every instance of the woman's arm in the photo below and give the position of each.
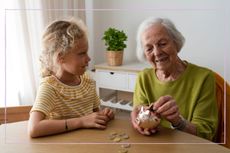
(166, 106)
(205, 115)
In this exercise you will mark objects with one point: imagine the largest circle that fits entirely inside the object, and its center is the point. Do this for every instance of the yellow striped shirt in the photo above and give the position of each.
(57, 100)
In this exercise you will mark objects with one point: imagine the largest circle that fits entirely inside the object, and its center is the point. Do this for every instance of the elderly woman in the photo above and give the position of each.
(182, 93)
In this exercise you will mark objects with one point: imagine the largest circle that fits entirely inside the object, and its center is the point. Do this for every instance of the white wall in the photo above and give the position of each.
(2, 56)
(204, 23)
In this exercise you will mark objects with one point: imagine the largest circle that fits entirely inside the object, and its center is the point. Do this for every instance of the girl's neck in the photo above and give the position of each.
(68, 79)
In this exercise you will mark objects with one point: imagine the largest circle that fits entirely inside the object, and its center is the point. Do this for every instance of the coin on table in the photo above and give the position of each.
(113, 133)
(123, 151)
(111, 137)
(127, 145)
(125, 136)
(117, 139)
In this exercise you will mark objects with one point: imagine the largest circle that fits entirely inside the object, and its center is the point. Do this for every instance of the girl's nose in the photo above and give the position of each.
(88, 58)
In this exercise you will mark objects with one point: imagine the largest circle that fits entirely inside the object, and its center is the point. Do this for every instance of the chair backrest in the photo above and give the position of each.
(222, 94)
(14, 114)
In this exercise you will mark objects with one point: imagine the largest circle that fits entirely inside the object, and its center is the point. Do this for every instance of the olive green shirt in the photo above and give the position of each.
(194, 92)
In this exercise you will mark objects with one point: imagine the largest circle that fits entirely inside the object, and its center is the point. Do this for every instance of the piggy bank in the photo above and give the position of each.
(147, 119)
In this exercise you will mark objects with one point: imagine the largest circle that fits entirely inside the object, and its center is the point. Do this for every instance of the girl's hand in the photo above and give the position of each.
(108, 112)
(167, 108)
(94, 120)
(134, 115)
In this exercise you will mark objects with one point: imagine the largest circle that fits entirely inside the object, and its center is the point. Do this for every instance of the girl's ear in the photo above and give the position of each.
(60, 58)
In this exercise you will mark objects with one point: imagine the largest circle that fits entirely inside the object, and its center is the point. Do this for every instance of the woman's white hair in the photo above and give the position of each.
(177, 37)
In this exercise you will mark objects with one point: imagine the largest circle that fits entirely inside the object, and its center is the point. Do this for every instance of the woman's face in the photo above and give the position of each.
(160, 50)
(76, 61)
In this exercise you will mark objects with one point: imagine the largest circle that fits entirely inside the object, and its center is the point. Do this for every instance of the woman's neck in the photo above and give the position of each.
(172, 73)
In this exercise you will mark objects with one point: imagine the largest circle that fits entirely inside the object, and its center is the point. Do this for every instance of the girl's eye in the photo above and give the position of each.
(82, 53)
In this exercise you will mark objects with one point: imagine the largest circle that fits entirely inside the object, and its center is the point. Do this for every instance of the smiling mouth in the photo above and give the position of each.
(161, 59)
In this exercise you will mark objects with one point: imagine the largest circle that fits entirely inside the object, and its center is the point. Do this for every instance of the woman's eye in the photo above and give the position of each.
(148, 49)
(162, 44)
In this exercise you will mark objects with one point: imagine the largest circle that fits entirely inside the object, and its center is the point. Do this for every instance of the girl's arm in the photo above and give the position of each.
(39, 126)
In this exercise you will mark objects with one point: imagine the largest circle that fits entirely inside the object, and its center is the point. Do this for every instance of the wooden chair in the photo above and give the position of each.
(222, 94)
(14, 114)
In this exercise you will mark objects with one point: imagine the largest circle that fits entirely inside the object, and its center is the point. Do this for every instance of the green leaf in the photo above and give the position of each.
(115, 39)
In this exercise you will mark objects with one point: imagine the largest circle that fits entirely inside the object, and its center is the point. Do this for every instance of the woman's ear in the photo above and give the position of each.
(177, 47)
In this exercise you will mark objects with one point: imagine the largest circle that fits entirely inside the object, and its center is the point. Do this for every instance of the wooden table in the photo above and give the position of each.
(14, 139)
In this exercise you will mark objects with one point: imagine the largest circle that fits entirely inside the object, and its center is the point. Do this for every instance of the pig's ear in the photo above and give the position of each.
(142, 109)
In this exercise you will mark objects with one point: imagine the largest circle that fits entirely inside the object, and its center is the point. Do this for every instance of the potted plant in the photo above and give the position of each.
(115, 42)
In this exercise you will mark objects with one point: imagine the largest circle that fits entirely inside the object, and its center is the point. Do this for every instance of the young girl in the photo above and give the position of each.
(66, 99)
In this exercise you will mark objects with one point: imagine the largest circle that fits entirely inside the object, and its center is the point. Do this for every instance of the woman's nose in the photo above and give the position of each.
(156, 51)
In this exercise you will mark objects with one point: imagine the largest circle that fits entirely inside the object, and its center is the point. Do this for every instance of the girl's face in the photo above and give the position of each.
(160, 50)
(76, 60)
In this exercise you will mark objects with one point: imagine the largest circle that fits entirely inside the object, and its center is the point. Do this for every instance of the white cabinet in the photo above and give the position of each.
(112, 80)
(131, 81)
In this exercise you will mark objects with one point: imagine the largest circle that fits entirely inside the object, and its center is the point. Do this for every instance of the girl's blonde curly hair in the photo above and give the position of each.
(58, 38)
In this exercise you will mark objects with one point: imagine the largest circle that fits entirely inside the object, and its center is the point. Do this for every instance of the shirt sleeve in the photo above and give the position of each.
(44, 101)
(139, 96)
(205, 116)
(97, 99)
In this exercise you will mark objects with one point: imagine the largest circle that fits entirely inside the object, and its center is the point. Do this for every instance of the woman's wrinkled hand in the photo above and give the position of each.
(167, 108)
(135, 125)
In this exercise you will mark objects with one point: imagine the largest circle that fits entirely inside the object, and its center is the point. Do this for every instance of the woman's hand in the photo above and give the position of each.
(134, 115)
(95, 120)
(167, 108)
